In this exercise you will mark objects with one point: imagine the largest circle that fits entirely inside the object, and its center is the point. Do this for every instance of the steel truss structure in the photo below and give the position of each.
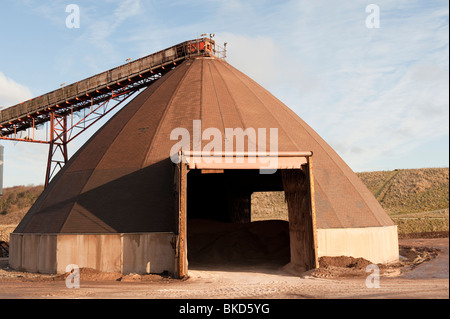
(95, 97)
(63, 125)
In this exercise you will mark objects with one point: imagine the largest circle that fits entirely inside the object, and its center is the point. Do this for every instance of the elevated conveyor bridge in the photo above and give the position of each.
(91, 99)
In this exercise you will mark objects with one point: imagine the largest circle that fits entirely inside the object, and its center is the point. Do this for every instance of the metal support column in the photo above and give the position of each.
(57, 154)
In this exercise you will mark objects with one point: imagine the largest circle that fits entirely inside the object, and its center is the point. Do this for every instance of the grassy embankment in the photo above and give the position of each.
(417, 200)
(14, 204)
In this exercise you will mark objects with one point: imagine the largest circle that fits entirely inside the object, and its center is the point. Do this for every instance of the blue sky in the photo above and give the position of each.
(378, 96)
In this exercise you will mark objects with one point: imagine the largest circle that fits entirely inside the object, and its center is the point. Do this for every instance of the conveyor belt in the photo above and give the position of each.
(98, 88)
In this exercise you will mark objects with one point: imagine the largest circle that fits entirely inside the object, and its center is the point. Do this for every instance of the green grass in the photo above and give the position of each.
(5, 230)
(408, 191)
(417, 200)
(15, 202)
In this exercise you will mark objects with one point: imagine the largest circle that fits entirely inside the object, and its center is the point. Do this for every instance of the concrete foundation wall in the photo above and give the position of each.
(155, 252)
(149, 253)
(376, 244)
(15, 251)
(124, 253)
(101, 252)
(33, 252)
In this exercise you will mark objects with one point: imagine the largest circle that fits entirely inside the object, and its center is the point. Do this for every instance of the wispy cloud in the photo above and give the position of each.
(96, 44)
(24, 164)
(371, 93)
(12, 92)
(126, 9)
(390, 89)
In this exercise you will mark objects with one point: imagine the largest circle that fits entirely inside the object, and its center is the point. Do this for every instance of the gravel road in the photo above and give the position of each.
(430, 279)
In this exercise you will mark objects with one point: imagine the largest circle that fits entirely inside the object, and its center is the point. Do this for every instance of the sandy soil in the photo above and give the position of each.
(421, 273)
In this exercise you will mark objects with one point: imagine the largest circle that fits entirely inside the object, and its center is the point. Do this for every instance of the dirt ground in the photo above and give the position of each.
(422, 272)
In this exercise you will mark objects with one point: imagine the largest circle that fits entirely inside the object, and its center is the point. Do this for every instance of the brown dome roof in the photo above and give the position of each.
(120, 180)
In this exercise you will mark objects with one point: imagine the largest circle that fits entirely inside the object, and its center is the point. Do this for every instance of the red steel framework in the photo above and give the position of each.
(61, 133)
(94, 102)
(64, 128)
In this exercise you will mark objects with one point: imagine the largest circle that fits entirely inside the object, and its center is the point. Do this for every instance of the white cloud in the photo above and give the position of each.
(99, 31)
(12, 92)
(127, 9)
(24, 163)
(271, 63)
(400, 117)
(378, 92)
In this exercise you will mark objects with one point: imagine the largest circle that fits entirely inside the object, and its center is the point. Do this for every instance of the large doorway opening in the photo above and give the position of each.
(216, 230)
(220, 232)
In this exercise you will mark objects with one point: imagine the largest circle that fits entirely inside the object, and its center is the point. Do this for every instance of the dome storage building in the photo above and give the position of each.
(120, 202)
